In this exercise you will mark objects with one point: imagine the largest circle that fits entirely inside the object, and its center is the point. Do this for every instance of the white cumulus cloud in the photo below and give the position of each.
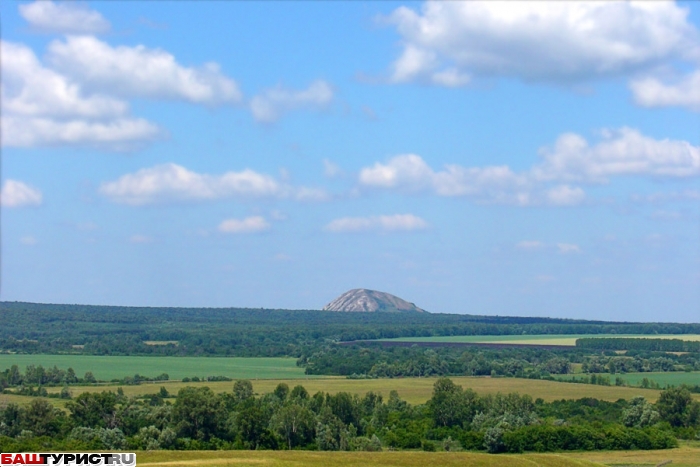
(273, 103)
(140, 72)
(252, 224)
(15, 194)
(447, 43)
(172, 182)
(683, 92)
(42, 107)
(31, 89)
(564, 195)
(63, 17)
(409, 172)
(388, 223)
(121, 134)
(622, 152)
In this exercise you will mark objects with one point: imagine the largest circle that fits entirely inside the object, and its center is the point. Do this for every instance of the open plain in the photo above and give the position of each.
(548, 339)
(413, 390)
(687, 455)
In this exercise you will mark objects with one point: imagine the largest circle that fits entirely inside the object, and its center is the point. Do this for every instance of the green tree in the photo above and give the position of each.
(249, 425)
(493, 438)
(14, 377)
(345, 407)
(42, 418)
(112, 438)
(281, 391)
(92, 409)
(450, 405)
(331, 433)
(70, 377)
(295, 423)
(299, 393)
(639, 414)
(11, 420)
(673, 406)
(242, 390)
(198, 413)
(147, 438)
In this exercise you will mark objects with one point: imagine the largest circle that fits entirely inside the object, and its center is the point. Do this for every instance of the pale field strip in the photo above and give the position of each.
(544, 339)
(353, 459)
(686, 455)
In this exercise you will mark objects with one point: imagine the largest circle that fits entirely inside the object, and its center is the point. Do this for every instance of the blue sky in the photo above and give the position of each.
(513, 158)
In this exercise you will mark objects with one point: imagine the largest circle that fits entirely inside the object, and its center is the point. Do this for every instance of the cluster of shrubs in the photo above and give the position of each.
(196, 379)
(54, 376)
(40, 391)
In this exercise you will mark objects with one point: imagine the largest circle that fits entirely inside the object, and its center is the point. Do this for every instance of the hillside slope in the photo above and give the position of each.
(364, 300)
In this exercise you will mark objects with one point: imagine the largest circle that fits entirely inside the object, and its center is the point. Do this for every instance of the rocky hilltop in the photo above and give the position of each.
(364, 300)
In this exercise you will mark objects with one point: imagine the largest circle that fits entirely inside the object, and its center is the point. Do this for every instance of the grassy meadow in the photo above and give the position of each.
(687, 455)
(116, 367)
(25, 400)
(413, 390)
(549, 339)
(675, 378)
(350, 459)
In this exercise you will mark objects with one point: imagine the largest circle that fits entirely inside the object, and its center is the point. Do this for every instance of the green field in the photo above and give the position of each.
(108, 367)
(687, 455)
(667, 378)
(675, 378)
(543, 339)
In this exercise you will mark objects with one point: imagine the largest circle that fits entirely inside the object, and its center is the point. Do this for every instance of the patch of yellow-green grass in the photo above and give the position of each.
(25, 400)
(543, 339)
(413, 390)
(687, 455)
(351, 459)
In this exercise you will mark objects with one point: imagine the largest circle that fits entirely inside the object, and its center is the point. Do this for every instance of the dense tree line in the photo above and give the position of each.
(382, 362)
(627, 343)
(454, 418)
(37, 375)
(376, 361)
(641, 362)
(110, 330)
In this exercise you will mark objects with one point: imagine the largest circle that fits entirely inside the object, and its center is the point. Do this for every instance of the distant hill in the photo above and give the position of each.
(364, 300)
